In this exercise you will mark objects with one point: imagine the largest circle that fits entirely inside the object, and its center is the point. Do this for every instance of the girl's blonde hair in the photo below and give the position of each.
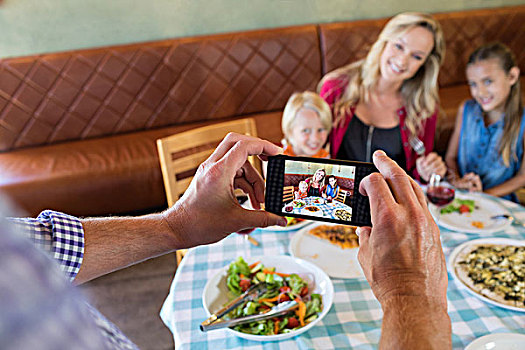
(514, 103)
(419, 93)
(309, 100)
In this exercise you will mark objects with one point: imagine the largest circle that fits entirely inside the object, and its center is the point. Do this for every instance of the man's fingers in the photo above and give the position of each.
(249, 190)
(396, 177)
(255, 179)
(364, 236)
(261, 218)
(378, 192)
(264, 148)
(237, 155)
(419, 193)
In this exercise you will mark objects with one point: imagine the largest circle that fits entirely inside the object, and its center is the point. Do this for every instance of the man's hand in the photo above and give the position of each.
(208, 211)
(403, 261)
(429, 164)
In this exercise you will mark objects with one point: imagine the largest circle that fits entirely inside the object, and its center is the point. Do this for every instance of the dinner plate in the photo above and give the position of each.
(484, 209)
(318, 212)
(454, 255)
(335, 261)
(349, 210)
(498, 341)
(216, 293)
(288, 228)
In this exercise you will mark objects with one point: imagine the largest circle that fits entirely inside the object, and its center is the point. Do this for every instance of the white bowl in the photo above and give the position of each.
(216, 292)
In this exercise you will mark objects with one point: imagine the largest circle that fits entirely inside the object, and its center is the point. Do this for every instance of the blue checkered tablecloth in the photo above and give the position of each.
(327, 209)
(354, 320)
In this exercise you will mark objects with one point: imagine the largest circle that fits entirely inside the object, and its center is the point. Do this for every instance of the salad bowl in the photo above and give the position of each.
(216, 293)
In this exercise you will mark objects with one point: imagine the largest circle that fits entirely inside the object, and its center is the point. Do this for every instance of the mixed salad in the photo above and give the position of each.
(283, 287)
(461, 206)
(292, 221)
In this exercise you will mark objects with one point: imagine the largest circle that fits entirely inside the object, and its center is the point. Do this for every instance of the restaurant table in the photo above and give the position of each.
(354, 321)
(325, 208)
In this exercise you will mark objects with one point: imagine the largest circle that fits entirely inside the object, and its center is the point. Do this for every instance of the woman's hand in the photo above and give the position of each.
(429, 164)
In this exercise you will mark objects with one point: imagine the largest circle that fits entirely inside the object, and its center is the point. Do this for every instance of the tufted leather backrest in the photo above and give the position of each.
(82, 94)
(343, 43)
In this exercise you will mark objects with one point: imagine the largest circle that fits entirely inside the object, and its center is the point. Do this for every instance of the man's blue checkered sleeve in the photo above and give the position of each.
(59, 234)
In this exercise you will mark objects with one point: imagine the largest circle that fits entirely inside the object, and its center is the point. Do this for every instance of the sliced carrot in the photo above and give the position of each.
(301, 311)
(254, 264)
(269, 300)
(276, 329)
(275, 273)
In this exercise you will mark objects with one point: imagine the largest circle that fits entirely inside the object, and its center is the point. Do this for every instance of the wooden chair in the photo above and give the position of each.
(181, 154)
(341, 196)
(288, 193)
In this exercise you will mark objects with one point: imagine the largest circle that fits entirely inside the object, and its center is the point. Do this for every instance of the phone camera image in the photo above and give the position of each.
(318, 190)
(324, 190)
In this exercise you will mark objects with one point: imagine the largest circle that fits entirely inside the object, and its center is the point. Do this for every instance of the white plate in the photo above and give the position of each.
(458, 249)
(485, 208)
(288, 228)
(216, 292)
(498, 341)
(349, 210)
(318, 212)
(335, 261)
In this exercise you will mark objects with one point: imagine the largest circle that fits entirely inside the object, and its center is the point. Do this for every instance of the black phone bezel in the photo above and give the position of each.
(275, 182)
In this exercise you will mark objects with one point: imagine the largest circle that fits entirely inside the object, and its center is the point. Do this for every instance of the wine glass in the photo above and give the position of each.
(439, 193)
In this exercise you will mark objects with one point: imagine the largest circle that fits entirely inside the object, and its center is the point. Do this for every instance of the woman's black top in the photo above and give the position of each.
(312, 191)
(361, 141)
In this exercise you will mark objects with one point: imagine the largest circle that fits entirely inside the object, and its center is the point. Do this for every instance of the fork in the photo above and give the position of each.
(509, 217)
(417, 145)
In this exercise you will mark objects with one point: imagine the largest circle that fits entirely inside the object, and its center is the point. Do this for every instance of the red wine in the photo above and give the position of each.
(440, 195)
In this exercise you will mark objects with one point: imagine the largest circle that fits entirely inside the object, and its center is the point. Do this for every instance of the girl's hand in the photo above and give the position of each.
(474, 182)
(429, 164)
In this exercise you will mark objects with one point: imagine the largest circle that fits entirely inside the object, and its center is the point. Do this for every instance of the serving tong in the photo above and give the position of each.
(255, 291)
(278, 310)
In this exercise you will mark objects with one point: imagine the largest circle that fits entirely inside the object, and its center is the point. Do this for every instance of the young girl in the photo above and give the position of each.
(485, 152)
(306, 122)
(332, 189)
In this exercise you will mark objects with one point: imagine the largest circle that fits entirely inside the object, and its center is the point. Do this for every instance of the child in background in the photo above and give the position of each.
(485, 152)
(306, 122)
(332, 189)
(303, 190)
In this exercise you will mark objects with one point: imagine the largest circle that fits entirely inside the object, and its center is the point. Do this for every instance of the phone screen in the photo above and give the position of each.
(318, 189)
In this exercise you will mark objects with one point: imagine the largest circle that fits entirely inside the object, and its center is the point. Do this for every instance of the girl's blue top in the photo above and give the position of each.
(331, 191)
(478, 149)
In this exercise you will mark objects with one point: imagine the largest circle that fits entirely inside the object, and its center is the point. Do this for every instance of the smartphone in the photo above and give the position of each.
(318, 189)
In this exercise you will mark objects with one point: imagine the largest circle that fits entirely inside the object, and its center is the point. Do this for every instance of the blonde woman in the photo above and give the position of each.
(306, 122)
(390, 97)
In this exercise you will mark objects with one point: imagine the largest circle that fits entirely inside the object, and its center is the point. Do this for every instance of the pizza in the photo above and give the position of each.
(496, 272)
(340, 235)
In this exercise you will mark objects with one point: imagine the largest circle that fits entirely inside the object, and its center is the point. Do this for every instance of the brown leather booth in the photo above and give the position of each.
(78, 129)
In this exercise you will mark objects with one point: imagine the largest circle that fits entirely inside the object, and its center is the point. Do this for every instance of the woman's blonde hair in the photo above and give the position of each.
(419, 93)
(309, 100)
(514, 103)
